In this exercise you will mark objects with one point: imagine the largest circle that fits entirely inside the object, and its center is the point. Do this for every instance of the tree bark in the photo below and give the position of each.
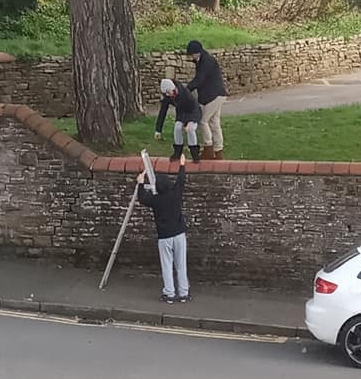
(105, 69)
(216, 5)
(127, 61)
(213, 5)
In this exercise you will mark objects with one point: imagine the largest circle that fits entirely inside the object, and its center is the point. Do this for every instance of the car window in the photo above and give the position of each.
(340, 261)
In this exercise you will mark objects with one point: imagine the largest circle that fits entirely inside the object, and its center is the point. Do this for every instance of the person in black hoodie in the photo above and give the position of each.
(208, 82)
(188, 115)
(171, 229)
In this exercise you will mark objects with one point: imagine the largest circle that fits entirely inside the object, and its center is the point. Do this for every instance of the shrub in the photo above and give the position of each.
(355, 3)
(15, 7)
(50, 18)
(298, 10)
(165, 15)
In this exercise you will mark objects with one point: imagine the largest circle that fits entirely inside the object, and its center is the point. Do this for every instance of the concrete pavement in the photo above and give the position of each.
(26, 285)
(319, 93)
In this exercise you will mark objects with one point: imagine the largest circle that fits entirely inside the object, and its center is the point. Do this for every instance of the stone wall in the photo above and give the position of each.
(262, 224)
(46, 85)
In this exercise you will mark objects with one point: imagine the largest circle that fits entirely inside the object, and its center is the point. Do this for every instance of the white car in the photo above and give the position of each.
(333, 315)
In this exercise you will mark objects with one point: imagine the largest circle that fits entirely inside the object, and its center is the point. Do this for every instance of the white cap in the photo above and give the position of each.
(167, 85)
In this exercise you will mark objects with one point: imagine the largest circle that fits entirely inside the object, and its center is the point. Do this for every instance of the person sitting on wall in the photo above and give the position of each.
(188, 115)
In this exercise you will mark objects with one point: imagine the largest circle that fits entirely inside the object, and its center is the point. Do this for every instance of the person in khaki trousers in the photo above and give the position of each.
(208, 82)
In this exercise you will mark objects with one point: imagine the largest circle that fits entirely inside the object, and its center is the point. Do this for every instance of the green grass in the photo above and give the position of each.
(320, 135)
(212, 34)
(28, 48)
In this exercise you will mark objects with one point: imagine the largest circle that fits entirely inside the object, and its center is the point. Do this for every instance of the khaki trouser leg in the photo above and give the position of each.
(207, 113)
(215, 123)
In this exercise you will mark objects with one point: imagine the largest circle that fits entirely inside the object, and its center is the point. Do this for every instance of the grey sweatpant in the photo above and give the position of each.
(191, 134)
(173, 250)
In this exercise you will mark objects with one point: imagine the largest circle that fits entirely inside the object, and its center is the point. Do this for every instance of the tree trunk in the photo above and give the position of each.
(216, 6)
(213, 5)
(127, 61)
(105, 68)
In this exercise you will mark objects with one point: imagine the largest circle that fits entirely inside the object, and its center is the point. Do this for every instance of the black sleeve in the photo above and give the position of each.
(144, 196)
(181, 179)
(201, 75)
(190, 103)
(189, 107)
(162, 114)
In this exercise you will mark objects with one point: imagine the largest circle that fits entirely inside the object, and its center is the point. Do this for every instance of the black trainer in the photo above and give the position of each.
(168, 299)
(184, 299)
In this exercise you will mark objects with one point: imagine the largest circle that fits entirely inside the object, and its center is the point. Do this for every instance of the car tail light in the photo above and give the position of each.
(323, 286)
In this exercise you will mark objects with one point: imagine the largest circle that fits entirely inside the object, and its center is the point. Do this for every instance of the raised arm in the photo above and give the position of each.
(181, 178)
(144, 196)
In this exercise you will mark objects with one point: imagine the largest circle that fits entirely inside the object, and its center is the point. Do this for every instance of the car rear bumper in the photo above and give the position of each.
(320, 322)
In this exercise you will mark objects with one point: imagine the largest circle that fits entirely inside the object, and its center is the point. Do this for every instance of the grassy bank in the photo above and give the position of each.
(321, 135)
(211, 33)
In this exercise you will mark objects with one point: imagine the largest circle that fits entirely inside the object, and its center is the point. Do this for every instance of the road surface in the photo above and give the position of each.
(41, 349)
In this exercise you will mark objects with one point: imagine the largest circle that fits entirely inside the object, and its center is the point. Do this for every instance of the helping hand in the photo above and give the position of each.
(140, 178)
(182, 160)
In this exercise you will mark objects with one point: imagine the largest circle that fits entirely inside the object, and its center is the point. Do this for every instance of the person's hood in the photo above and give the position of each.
(194, 47)
(163, 183)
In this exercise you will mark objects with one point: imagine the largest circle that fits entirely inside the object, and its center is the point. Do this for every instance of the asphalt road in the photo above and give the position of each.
(40, 349)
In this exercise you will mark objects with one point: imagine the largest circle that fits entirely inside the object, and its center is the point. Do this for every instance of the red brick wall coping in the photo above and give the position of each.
(75, 150)
(6, 58)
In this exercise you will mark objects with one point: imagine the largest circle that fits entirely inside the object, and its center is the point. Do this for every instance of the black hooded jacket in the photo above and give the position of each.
(187, 107)
(208, 79)
(167, 204)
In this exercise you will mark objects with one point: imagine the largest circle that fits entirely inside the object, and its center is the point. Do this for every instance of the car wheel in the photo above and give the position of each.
(350, 341)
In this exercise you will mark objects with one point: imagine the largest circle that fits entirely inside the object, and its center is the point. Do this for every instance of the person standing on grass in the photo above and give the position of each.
(188, 115)
(208, 82)
(171, 229)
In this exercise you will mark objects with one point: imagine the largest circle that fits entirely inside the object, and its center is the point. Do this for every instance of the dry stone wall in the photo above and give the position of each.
(47, 86)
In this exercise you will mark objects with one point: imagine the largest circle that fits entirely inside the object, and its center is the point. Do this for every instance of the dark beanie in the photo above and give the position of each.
(194, 47)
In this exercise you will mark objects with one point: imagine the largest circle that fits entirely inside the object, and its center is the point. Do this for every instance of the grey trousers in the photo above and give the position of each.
(191, 133)
(174, 251)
